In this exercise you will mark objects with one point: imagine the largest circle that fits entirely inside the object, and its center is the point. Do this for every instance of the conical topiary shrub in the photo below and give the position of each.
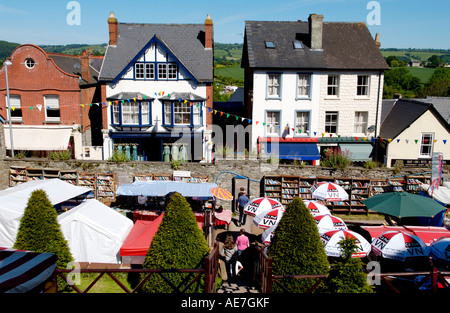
(296, 249)
(40, 231)
(178, 244)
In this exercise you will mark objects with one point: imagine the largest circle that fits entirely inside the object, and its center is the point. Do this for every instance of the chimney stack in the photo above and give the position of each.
(209, 40)
(113, 29)
(86, 58)
(315, 31)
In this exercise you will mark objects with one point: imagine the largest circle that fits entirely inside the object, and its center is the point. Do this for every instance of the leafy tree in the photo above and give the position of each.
(40, 231)
(400, 80)
(296, 248)
(178, 244)
(346, 275)
(439, 83)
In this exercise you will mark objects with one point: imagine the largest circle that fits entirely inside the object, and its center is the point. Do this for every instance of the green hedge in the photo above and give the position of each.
(178, 244)
(40, 231)
(296, 248)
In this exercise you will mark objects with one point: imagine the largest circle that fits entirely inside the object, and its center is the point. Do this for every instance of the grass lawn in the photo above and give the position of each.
(423, 74)
(104, 285)
(230, 71)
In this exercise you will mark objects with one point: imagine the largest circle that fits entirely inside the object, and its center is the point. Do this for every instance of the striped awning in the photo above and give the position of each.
(25, 271)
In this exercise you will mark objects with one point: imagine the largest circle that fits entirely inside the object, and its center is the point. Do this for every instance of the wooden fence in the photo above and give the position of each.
(209, 272)
(437, 279)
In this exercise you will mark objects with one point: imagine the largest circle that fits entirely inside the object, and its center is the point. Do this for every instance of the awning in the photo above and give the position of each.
(38, 138)
(162, 188)
(25, 271)
(359, 151)
(306, 151)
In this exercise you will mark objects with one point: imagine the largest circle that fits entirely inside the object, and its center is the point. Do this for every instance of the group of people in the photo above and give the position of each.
(232, 251)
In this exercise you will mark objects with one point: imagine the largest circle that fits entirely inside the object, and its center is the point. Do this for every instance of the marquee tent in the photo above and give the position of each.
(13, 202)
(95, 232)
(162, 188)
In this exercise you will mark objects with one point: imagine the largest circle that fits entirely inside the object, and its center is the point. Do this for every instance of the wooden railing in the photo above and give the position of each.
(266, 279)
(209, 271)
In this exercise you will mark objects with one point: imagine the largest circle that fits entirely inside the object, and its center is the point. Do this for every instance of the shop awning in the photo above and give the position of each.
(38, 138)
(360, 152)
(306, 151)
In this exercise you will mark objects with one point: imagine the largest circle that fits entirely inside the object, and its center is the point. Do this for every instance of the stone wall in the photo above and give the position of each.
(223, 171)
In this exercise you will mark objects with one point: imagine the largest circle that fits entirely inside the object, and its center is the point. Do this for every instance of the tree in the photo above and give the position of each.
(39, 231)
(178, 244)
(439, 83)
(296, 248)
(400, 80)
(346, 275)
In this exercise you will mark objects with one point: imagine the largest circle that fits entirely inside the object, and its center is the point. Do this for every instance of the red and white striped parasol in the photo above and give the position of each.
(328, 191)
(329, 222)
(332, 238)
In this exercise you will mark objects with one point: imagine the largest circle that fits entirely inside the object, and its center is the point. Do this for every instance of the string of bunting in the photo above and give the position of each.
(213, 111)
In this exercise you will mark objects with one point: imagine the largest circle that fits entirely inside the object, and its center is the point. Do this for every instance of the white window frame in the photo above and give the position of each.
(181, 110)
(16, 103)
(302, 121)
(51, 105)
(167, 71)
(331, 123)
(273, 87)
(363, 86)
(424, 144)
(116, 113)
(333, 85)
(303, 86)
(360, 123)
(144, 70)
(130, 113)
(273, 122)
(145, 113)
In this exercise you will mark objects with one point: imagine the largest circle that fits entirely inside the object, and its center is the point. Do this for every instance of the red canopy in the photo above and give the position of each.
(141, 236)
(427, 233)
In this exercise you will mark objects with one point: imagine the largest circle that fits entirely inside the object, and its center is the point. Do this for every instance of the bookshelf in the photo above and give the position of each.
(396, 184)
(413, 182)
(289, 188)
(272, 187)
(17, 176)
(34, 174)
(164, 177)
(305, 183)
(69, 176)
(143, 177)
(378, 186)
(106, 186)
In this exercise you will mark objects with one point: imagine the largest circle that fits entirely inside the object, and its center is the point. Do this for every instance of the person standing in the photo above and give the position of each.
(242, 242)
(229, 251)
(242, 201)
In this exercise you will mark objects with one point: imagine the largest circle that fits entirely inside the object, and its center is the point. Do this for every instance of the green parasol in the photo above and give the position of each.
(403, 204)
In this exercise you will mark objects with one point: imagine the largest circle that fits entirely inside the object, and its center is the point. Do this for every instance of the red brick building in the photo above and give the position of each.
(55, 102)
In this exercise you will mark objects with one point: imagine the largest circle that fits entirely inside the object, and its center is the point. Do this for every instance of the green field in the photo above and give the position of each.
(234, 71)
(423, 73)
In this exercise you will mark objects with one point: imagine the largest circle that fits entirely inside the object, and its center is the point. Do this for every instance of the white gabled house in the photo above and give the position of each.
(311, 85)
(159, 89)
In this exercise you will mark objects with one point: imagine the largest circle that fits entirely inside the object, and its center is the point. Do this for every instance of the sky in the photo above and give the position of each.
(400, 23)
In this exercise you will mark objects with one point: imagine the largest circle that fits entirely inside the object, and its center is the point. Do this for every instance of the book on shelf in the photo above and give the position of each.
(270, 181)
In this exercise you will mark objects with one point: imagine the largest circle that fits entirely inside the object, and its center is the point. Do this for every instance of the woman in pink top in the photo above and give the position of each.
(242, 242)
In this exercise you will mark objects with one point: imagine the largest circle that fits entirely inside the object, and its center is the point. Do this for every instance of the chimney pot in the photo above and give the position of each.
(315, 31)
(86, 58)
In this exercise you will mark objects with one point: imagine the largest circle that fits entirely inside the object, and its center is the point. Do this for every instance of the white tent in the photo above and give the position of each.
(95, 232)
(441, 194)
(13, 202)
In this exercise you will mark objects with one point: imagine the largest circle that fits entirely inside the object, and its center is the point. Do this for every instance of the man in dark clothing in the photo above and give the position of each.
(242, 201)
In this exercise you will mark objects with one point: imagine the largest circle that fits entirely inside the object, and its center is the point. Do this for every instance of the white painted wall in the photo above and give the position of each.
(346, 104)
(427, 123)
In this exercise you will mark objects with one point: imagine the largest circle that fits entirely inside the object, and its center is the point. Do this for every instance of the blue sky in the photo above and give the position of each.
(402, 23)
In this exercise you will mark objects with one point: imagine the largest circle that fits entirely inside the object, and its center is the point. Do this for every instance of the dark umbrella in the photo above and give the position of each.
(403, 204)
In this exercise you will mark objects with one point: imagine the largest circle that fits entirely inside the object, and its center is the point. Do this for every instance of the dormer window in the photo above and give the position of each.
(298, 44)
(270, 44)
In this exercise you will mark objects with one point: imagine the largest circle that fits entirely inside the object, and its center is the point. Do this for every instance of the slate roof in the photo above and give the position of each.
(72, 65)
(345, 46)
(185, 41)
(403, 114)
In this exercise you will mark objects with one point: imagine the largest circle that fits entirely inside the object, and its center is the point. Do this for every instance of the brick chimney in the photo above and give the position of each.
(209, 40)
(113, 29)
(86, 58)
(315, 31)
